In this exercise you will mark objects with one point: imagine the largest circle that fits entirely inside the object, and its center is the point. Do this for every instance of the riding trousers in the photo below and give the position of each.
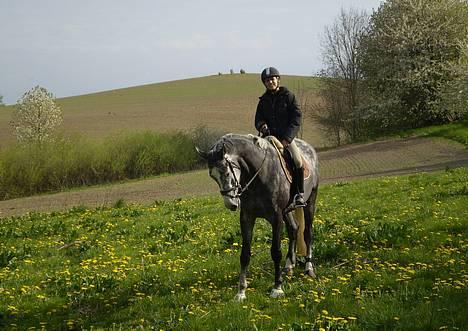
(295, 154)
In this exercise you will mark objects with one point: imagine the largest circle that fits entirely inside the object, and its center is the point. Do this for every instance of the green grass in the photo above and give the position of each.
(390, 254)
(454, 131)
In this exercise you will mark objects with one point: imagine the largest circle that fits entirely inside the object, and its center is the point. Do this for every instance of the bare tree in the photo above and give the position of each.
(36, 116)
(340, 91)
(303, 96)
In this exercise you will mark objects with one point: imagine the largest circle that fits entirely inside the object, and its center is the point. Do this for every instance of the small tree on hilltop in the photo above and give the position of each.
(36, 116)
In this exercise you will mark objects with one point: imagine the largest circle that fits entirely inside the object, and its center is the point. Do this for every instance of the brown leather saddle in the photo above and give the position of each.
(285, 164)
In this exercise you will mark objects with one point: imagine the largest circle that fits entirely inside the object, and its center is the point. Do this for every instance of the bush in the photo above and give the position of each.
(64, 163)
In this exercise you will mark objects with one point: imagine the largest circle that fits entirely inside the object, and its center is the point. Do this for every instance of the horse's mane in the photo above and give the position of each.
(230, 140)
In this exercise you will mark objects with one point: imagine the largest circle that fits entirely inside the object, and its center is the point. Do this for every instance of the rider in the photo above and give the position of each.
(278, 114)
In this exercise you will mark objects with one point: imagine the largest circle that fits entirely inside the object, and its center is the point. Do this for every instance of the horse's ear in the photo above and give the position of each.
(203, 154)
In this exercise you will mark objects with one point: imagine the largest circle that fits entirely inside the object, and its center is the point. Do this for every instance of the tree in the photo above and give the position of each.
(36, 116)
(303, 97)
(340, 92)
(412, 57)
(1, 101)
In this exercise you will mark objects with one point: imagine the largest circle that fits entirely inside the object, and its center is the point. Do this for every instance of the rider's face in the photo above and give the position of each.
(272, 83)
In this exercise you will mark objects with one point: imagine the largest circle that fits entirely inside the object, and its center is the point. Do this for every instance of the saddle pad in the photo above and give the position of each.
(287, 167)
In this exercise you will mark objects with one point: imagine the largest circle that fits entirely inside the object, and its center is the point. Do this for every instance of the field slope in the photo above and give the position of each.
(225, 102)
(390, 254)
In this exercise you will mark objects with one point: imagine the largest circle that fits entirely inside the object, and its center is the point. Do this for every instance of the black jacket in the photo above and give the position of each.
(280, 112)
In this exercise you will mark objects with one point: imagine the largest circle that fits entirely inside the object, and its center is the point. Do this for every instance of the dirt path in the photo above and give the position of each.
(390, 157)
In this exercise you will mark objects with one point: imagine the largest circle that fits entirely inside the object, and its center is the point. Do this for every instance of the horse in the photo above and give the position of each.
(248, 172)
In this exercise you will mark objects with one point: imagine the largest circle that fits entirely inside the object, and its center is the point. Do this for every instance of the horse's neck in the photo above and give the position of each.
(251, 158)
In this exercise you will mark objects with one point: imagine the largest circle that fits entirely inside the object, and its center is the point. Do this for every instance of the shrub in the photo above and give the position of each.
(64, 163)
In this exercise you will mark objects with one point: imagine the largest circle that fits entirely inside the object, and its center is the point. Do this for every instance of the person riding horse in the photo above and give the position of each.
(278, 114)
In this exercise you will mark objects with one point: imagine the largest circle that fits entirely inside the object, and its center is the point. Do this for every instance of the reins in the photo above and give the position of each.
(238, 187)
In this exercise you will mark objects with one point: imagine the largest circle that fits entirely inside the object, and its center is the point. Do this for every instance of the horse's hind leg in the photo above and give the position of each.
(246, 224)
(309, 212)
(291, 227)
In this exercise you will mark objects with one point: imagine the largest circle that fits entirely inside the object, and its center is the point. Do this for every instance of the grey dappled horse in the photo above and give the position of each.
(248, 172)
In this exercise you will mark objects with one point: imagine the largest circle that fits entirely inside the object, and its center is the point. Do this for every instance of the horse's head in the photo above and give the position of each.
(224, 169)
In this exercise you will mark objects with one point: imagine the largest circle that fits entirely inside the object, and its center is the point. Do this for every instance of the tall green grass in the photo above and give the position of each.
(457, 131)
(65, 163)
(391, 254)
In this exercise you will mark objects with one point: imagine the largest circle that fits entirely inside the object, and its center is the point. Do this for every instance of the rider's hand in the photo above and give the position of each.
(264, 130)
(285, 143)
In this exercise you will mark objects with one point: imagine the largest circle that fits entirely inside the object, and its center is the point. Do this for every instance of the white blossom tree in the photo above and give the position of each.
(36, 116)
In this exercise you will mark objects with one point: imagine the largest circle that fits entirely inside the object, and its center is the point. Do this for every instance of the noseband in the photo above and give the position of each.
(237, 188)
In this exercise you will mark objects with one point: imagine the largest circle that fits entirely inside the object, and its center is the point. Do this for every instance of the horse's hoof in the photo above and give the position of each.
(309, 270)
(289, 271)
(240, 297)
(277, 293)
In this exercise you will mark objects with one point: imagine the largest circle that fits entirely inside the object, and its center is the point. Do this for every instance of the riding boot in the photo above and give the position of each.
(299, 180)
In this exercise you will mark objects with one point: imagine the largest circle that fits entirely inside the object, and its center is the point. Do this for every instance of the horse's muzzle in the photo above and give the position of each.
(231, 203)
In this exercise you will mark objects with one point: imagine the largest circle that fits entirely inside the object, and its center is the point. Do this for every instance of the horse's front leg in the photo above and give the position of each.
(291, 226)
(246, 225)
(276, 255)
(309, 212)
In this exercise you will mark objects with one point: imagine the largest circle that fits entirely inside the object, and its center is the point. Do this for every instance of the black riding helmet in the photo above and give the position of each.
(269, 72)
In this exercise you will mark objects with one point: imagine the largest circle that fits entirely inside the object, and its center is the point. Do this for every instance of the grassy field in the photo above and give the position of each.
(225, 102)
(454, 131)
(390, 255)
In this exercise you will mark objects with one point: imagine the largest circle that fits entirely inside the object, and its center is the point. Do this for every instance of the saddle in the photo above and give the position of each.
(287, 163)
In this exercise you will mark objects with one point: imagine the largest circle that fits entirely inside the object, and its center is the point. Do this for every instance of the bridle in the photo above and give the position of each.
(237, 188)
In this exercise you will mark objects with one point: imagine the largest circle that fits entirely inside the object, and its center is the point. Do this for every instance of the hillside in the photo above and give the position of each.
(225, 102)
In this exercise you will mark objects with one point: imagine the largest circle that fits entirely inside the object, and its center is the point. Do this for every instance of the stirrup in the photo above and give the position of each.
(299, 201)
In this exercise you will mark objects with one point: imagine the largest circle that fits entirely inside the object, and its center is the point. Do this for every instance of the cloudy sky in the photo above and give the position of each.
(74, 47)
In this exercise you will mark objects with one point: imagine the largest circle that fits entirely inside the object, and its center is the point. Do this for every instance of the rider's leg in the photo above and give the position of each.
(298, 173)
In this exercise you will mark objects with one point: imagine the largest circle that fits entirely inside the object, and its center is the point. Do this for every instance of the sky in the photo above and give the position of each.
(74, 47)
